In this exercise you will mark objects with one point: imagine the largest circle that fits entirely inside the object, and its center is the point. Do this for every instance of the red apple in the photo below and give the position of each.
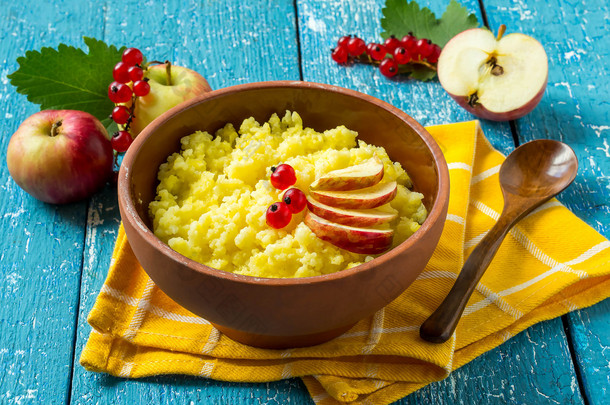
(357, 240)
(364, 175)
(363, 198)
(358, 218)
(60, 156)
(166, 91)
(497, 78)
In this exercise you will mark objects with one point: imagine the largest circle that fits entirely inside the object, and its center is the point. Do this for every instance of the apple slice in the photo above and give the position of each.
(358, 218)
(357, 240)
(364, 175)
(363, 198)
(497, 78)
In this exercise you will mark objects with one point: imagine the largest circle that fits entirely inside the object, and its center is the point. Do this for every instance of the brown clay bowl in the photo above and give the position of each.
(280, 313)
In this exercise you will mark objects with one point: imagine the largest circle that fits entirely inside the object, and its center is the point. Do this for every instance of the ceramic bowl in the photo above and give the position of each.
(281, 313)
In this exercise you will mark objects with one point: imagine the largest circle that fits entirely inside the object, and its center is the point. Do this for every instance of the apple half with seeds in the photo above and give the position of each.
(364, 175)
(498, 78)
(364, 198)
(357, 218)
(354, 239)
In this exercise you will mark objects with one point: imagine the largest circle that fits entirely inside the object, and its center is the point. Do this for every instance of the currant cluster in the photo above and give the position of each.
(390, 55)
(279, 214)
(129, 83)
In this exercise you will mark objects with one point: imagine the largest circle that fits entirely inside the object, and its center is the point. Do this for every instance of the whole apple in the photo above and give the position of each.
(60, 156)
(168, 88)
(499, 78)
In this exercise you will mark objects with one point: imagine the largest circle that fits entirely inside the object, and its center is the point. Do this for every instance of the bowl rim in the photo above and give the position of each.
(125, 174)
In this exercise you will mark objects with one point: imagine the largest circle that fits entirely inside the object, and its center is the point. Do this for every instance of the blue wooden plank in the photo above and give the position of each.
(229, 43)
(41, 244)
(534, 367)
(575, 110)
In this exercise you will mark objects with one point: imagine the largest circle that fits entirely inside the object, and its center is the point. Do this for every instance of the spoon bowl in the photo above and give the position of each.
(531, 175)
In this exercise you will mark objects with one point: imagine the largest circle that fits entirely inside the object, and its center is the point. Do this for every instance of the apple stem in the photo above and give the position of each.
(501, 31)
(55, 128)
(168, 70)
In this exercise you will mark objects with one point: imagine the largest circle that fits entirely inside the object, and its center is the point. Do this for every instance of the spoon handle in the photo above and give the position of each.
(439, 327)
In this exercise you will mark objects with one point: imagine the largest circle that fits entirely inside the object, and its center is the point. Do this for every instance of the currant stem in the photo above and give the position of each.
(55, 128)
(366, 59)
(501, 31)
(168, 70)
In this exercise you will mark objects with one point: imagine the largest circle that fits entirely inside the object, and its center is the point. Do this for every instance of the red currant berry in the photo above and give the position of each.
(376, 51)
(408, 42)
(119, 92)
(436, 52)
(120, 114)
(424, 48)
(356, 46)
(141, 88)
(278, 215)
(283, 176)
(135, 73)
(120, 141)
(132, 56)
(391, 43)
(402, 56)
(120, 72)
(388, 67)
(344, 40)
(295, 199)
(339, 54)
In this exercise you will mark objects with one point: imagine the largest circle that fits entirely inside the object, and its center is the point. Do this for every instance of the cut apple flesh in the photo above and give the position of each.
(364, 198)
(358, 218)
(353, 239)
(501, 75)
(364, 175)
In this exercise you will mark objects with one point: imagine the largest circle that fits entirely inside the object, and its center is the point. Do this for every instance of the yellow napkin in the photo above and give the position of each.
(549, 264)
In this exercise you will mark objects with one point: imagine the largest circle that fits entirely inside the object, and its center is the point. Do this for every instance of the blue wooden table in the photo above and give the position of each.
(53, 259)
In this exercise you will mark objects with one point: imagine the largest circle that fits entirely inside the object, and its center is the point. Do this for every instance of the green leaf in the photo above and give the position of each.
(455, 19)
(417, 72)
(68, 78)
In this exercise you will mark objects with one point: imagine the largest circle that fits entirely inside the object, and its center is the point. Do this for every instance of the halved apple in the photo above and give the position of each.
(497, 78)
(356, 240)
(369, 197)
(358, 218)
(364, 175)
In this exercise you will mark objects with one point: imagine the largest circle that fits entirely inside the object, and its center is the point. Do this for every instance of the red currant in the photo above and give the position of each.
(132, 56)
(120, 141)
(344, 40)
(436, 52)
(283, 176)
(278, 215)
(391, 43)
(376, 51)
(402, 56)
(295, 199)
(408, 42)
(120, 114)
(135, 73)
(339, 54)
(424, 48)
(141, 88)
(120, 72)
(119, 92)
(388, 67)
(356, 46)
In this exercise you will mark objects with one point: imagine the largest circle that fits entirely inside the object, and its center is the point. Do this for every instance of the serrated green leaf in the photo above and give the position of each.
(69, 78)
(401, 17)
(423, 74)
(455, 19)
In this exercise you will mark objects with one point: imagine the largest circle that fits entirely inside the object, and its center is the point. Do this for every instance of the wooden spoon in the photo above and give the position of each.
(530, 176)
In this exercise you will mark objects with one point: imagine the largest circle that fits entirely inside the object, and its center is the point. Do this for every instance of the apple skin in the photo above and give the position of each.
(186, 84)
(353, 239)
(60, 169)
(363, 175)
(357, 218)
(364, 198)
